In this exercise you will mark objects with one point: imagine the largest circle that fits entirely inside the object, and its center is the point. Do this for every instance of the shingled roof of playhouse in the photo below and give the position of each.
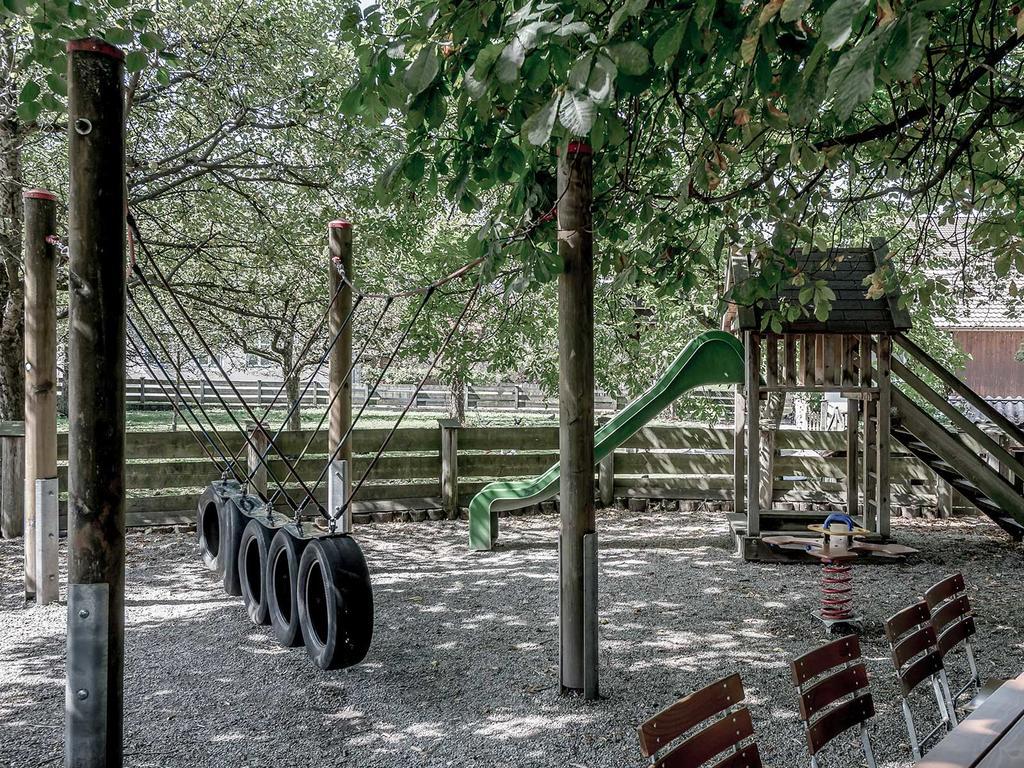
(844, 270)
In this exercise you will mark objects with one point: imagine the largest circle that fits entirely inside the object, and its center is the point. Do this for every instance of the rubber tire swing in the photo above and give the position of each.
(282, 576)
(253, 556)
(219, 526)
(335, 602)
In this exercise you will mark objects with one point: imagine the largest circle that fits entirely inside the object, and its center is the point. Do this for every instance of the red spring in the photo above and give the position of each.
(836, 591)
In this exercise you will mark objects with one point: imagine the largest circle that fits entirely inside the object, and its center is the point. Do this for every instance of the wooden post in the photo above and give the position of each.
(40, 389)
(12, 483)
(94, 700)
(739, 459)
(752, 356)
(575, 402)
(852, 411)
(882, 436)
(868, 439)
(256, 453)
(606, 475)
(339, 244)
(450, 466)
(772, 420)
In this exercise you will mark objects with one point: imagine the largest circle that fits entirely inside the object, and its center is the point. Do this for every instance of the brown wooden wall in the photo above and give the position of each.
(993, 371)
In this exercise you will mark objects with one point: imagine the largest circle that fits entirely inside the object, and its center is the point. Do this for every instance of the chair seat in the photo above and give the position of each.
(987, 688)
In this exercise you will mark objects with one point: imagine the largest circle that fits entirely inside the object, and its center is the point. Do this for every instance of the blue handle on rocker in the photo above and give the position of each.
(839, 517)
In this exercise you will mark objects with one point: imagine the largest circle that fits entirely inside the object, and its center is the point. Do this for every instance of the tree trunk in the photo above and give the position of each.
(12, 309)
(457, 398)
(291, 387)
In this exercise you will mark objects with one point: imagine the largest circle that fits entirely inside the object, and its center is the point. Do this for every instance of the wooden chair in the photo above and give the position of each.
(732, 733)
(916, 658)
(953, 621)
(832, 684)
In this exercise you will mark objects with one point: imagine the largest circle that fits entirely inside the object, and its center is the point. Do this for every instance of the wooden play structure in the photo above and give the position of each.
(850, 353)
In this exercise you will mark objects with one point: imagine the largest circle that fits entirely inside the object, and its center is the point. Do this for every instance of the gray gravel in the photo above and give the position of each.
(463, 665)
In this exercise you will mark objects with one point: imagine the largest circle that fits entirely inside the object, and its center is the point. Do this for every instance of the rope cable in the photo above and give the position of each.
(412, 399)
(309, 382)
(337, 393)
(174, 398)
(373, 391)
(222, 449)
(242, 431)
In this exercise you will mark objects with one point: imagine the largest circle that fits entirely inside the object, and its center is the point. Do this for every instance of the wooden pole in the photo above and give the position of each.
(339, 240)
(882, 436)
(94, 700)
(12, 485)
(850, 367)
(450, 466)
(575, 404)
(752, 363)
(256, 453)
(40, 392)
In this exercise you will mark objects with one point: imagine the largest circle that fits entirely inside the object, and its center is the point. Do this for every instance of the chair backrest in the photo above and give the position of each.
(832, 684)
(914, 646)
(952, 616)
(729, 731)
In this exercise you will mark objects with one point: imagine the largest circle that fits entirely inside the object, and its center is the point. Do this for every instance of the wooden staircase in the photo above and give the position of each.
(955, 453)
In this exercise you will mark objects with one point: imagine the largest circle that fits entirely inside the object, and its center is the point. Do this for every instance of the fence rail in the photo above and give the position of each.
(166, 471)
(146, 393)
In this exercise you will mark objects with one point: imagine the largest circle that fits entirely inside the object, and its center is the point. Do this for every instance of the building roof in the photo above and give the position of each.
(845, 271)
(980, 300)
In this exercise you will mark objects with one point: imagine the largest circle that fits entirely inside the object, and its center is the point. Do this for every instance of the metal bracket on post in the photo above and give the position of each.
(336, 484)
(47, 531)
(590, 623)
(85, 696)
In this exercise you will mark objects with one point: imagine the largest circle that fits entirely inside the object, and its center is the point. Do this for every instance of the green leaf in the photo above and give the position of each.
(539, 125)
(577, 113)
(852, 80)
(136, 61)
(630, 57)
(152, 41)
(512, 57)
(28, 111)
(793, 9)
(1002, 262)
(29, 92)
(667, 46)
(907, 45)
(57, 84)
(422, 71)
(601, 84)
(623, 12)
(119, 36)
(163, 76)
(580, 72)
(837, 23)
(415, 167)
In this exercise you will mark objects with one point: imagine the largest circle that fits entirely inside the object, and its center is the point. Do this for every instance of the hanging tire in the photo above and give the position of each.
(252, 570)
(208, 528)
(282, 577)
(232, 526)
(335, 602)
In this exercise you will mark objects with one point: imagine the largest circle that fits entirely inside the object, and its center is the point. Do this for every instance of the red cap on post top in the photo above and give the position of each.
(579, 148)
(340, 224)
(96, 45)
(38, 194)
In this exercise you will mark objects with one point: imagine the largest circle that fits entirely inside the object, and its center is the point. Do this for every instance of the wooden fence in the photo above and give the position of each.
(147, 393)
(166, 471)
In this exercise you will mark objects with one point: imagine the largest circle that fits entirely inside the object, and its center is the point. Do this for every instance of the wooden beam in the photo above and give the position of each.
(450, 465)
(339, 245)
(752, 361)
(94, 710)
(575, 405)
(40, 389)
(12, 486)
(882, 435)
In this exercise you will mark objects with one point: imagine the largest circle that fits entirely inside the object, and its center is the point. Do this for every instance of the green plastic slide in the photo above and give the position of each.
(714, 357)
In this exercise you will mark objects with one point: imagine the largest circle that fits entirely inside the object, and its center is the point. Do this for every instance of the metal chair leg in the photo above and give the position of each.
(973, 664)
(944, 686)
(915, 747)
(940, 699)
(865, 741)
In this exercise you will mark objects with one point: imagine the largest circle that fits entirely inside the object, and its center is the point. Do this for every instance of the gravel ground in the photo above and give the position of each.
(463, 665)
